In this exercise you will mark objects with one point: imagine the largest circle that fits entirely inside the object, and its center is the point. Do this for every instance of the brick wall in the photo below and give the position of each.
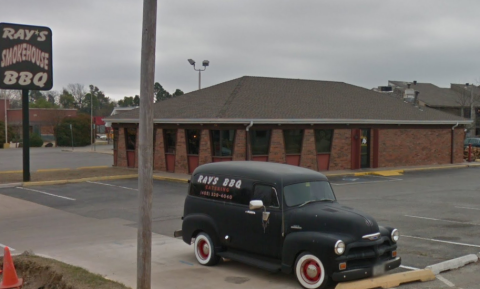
(340, 157)
(240, 148)
(46, 130)
(276, 153)
(159, 152)
(181, 162)
(412, 147)
(308, 157)
(205, 153)
(121, 148)
(458, 145)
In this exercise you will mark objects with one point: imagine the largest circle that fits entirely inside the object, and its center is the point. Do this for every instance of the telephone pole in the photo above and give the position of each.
(145, 149)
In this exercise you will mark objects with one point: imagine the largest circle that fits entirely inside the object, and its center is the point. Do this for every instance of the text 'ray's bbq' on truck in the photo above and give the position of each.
(283, 218)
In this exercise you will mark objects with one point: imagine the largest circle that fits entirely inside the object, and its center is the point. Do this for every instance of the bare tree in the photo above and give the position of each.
(14, 96)
(78, 91)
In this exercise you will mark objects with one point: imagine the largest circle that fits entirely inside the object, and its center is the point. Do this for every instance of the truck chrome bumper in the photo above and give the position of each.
(375, 270)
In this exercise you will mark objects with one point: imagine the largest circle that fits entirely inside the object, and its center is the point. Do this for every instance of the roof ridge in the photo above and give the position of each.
(296, 79)
(230, 99)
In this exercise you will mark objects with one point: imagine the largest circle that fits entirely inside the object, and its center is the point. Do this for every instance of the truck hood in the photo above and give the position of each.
(331, 218)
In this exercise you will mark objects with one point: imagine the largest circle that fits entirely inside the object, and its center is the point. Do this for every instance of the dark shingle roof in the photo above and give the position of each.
(288, 100)
(433, 95)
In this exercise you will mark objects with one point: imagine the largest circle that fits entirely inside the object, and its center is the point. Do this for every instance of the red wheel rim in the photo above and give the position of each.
(202, 245)
(311, 271)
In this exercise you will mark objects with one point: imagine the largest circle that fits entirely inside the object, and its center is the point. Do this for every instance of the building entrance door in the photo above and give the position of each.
(365, 148)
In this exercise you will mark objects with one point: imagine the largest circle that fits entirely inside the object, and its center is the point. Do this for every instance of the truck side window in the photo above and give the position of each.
(266, 194)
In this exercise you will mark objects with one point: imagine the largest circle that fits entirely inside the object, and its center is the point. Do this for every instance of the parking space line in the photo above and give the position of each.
(468, 208)
(45, 193)
(449, 221)
(442, 241)
(110, 185)
(409, 268)
(444, 280)
(3, 246)
(386, 178)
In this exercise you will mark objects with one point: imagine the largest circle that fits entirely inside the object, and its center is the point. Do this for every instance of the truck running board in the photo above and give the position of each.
(271, 265)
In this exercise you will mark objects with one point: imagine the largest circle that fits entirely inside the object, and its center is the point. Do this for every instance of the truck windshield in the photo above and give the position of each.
(309, 192)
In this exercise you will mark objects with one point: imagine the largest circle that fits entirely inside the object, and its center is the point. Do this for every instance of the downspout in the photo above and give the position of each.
(452, 153)
(248, 139)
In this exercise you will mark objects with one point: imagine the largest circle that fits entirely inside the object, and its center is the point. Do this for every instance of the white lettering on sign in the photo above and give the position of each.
(23, 34)
(212, 180)
(25, 52)
(25, 78)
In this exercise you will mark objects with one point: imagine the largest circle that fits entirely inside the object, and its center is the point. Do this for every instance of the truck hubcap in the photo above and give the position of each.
(311, 271)
(203, 249)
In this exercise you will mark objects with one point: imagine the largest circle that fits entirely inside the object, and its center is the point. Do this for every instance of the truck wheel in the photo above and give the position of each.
(310, 272)
(205, 251)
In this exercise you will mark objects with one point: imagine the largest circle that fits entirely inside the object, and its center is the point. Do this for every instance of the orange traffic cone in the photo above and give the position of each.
(10, 279)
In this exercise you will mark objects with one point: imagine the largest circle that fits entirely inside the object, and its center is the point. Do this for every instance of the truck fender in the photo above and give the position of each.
(195, 223)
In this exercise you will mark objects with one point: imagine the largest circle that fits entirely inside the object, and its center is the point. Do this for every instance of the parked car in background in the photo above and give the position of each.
(283, 218)
(474, 141)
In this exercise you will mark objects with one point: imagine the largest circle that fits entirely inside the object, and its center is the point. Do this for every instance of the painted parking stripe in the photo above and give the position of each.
(448, 221)
(467, 208)
(409, 268)
(110, 185)
(3, 246)
(445, 281)
(45, 193)
(383, 177)
(442, 241)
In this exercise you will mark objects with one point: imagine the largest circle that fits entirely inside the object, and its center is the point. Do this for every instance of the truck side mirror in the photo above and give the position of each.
(256, 204)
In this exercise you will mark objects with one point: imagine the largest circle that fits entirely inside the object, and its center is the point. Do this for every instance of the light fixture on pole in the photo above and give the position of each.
(205, 64)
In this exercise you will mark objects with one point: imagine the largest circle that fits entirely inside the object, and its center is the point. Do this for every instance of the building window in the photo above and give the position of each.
(193, 140)
(293, 140)
(323, 140)
(260, 142)
(223, 142)
(170, 137)
(131, 138)
(115, 138)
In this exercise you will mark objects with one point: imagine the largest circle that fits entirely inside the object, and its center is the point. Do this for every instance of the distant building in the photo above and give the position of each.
(42, 120)
(454, 100)
(321, 125)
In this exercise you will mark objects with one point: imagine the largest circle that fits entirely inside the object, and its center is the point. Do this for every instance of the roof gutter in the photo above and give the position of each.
(295, 121)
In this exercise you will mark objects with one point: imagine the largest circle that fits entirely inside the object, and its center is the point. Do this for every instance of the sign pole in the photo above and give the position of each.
(26, 136)
(145, 148)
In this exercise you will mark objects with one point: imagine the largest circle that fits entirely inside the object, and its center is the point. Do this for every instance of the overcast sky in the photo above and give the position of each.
(361, 42)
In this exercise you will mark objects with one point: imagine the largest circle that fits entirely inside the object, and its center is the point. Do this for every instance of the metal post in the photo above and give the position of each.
(91, 118)
(145, 149)
(199, 78)
(472, 113)
(6, 125)
(26, 136)
(71, 134)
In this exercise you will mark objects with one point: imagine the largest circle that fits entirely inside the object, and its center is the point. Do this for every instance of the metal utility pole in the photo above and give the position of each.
(145, 148)
(91, 118)
(472, 112)
(205, 63)
(5, 104)
(26, 136)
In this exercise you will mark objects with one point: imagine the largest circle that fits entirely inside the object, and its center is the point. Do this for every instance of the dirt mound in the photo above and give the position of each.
(43, 273)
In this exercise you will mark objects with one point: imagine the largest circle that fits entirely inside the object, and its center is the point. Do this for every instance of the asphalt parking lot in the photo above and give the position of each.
(437, 212)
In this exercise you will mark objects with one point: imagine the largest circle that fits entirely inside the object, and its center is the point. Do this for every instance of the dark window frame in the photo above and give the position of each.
(316, 141)
(166, 146)
(187, 137)
(251, 137)
(128, 139)
(273, 189)
(301, 142)
(212, 138)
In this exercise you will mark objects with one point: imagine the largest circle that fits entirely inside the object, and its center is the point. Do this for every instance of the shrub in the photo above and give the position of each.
(81, 131)
(11, 134)
(36, 140)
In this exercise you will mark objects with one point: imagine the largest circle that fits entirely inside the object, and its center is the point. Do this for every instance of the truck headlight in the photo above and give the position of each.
(339, 247)
(395, 235)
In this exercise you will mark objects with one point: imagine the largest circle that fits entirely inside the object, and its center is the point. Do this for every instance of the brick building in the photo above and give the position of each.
(42, 120)
(321, 125)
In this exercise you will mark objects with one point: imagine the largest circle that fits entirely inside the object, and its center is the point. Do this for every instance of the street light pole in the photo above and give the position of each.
(5, 104)
(91, 118)
(205, 64)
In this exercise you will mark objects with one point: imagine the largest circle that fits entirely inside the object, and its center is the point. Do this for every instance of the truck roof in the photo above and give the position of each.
(261, 171)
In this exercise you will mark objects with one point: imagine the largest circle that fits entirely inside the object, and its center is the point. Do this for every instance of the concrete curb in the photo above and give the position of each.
(93, 179)
(10, 185)
(161, 178)
(11, 172)
(388, 281)
(453, 263)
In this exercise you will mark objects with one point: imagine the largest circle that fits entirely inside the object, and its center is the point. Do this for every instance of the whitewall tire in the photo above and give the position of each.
(310, 272)
(205, 250)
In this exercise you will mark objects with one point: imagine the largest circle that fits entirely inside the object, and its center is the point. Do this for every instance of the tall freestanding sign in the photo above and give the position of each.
(26, 64)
